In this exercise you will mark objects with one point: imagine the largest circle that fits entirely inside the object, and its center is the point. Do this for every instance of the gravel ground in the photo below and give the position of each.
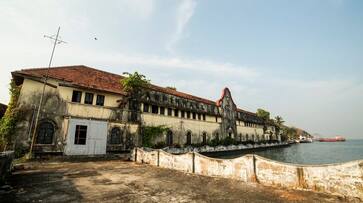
(123, 181)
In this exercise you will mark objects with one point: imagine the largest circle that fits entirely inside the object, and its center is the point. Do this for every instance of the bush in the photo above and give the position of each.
(159, 145)
(228, 141)
(149, 133)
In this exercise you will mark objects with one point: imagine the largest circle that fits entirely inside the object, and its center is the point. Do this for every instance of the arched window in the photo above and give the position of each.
(217, 136)
(115, 136)
(240, 137)
(189, 138)
(204, 137)
(169, 138)
(45, 133)
(247, 137)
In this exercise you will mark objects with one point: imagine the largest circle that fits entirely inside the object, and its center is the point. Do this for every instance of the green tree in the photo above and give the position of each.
(263, 114)
(279, 121)
(133, 82)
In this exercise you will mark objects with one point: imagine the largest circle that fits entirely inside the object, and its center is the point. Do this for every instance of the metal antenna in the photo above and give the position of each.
(45, 78)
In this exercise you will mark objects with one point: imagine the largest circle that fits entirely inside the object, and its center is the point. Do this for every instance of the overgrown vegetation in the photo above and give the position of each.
(149, 133)
(9, 120)
(134, 82)
(263, 114)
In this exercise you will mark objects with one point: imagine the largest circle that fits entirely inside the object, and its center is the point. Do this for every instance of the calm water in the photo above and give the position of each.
(310, 153)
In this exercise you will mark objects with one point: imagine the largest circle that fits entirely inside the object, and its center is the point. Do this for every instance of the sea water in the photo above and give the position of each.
(308, 153)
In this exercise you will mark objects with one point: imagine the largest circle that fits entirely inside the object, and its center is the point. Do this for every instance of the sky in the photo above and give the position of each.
(302, 60)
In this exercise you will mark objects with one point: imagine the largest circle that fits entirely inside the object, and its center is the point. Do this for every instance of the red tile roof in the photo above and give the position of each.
(87, 77)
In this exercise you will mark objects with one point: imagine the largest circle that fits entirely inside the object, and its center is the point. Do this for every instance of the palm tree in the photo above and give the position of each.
(279, 121)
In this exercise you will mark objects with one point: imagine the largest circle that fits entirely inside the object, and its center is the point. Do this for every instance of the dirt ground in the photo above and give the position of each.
(122, 181)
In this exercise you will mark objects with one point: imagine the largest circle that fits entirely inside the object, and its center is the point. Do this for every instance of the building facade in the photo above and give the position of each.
(85, 111)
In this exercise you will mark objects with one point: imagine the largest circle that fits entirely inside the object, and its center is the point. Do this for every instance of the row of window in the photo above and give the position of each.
(46, 133)
(169, 137)
(88, 99)
(183, 114)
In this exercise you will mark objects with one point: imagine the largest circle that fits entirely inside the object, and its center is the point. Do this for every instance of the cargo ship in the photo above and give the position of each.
(336, 139)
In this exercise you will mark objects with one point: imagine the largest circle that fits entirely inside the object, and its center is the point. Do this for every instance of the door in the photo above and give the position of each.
(86, 137)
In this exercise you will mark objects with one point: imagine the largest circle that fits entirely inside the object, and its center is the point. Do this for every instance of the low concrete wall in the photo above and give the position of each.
(344, 179)
(221, 148)
(6, 160)
(240, 168)
(269, 172)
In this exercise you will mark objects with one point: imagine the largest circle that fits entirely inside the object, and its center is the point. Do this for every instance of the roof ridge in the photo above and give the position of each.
(55, 67)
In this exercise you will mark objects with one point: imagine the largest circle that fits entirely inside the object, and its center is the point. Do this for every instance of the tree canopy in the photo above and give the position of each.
(279, 121)
(134, 81)
(263, 114)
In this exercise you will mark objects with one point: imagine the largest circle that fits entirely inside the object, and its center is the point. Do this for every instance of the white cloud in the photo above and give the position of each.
(184, 13)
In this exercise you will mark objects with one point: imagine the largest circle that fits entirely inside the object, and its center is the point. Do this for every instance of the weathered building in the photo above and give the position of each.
(86, 111)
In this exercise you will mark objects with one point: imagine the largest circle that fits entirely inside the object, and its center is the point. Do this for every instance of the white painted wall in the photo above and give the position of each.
(96, 138)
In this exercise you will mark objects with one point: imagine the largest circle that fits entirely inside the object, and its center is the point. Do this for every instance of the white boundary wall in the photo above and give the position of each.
(343, 179)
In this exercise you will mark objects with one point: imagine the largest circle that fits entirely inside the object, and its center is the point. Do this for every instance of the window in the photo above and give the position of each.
(162, 110)
(182, 114)
(88, 99)
(194, 115)
(76, 96)
(189, 138)
(115, 137)
(176, 113)
(100, 100)
(154, 109)
(204, 138)
(199, 116)
(203, 117)
(81, 135)
(188, 114)
(146, 107)
(169, 138)
(45, 133)
(217, 136)
(170, 111)
(157, 97)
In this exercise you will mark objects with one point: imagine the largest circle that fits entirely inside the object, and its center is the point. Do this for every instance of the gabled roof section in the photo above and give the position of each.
(80, 75)
(91, 78)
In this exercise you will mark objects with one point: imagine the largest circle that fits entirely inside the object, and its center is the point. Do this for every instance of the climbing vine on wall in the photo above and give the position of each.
(9, 120)
(149, 133)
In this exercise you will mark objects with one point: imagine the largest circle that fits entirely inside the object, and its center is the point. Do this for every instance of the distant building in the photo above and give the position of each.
(86, 111)
(2, 109)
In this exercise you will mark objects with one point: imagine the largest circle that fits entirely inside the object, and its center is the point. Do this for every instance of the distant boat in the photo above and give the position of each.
(306, 140)
(336, 139)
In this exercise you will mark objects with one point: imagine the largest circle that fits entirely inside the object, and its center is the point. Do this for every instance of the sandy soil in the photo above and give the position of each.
(122, 181)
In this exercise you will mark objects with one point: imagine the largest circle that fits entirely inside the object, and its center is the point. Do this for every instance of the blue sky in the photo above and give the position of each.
(298, 59)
